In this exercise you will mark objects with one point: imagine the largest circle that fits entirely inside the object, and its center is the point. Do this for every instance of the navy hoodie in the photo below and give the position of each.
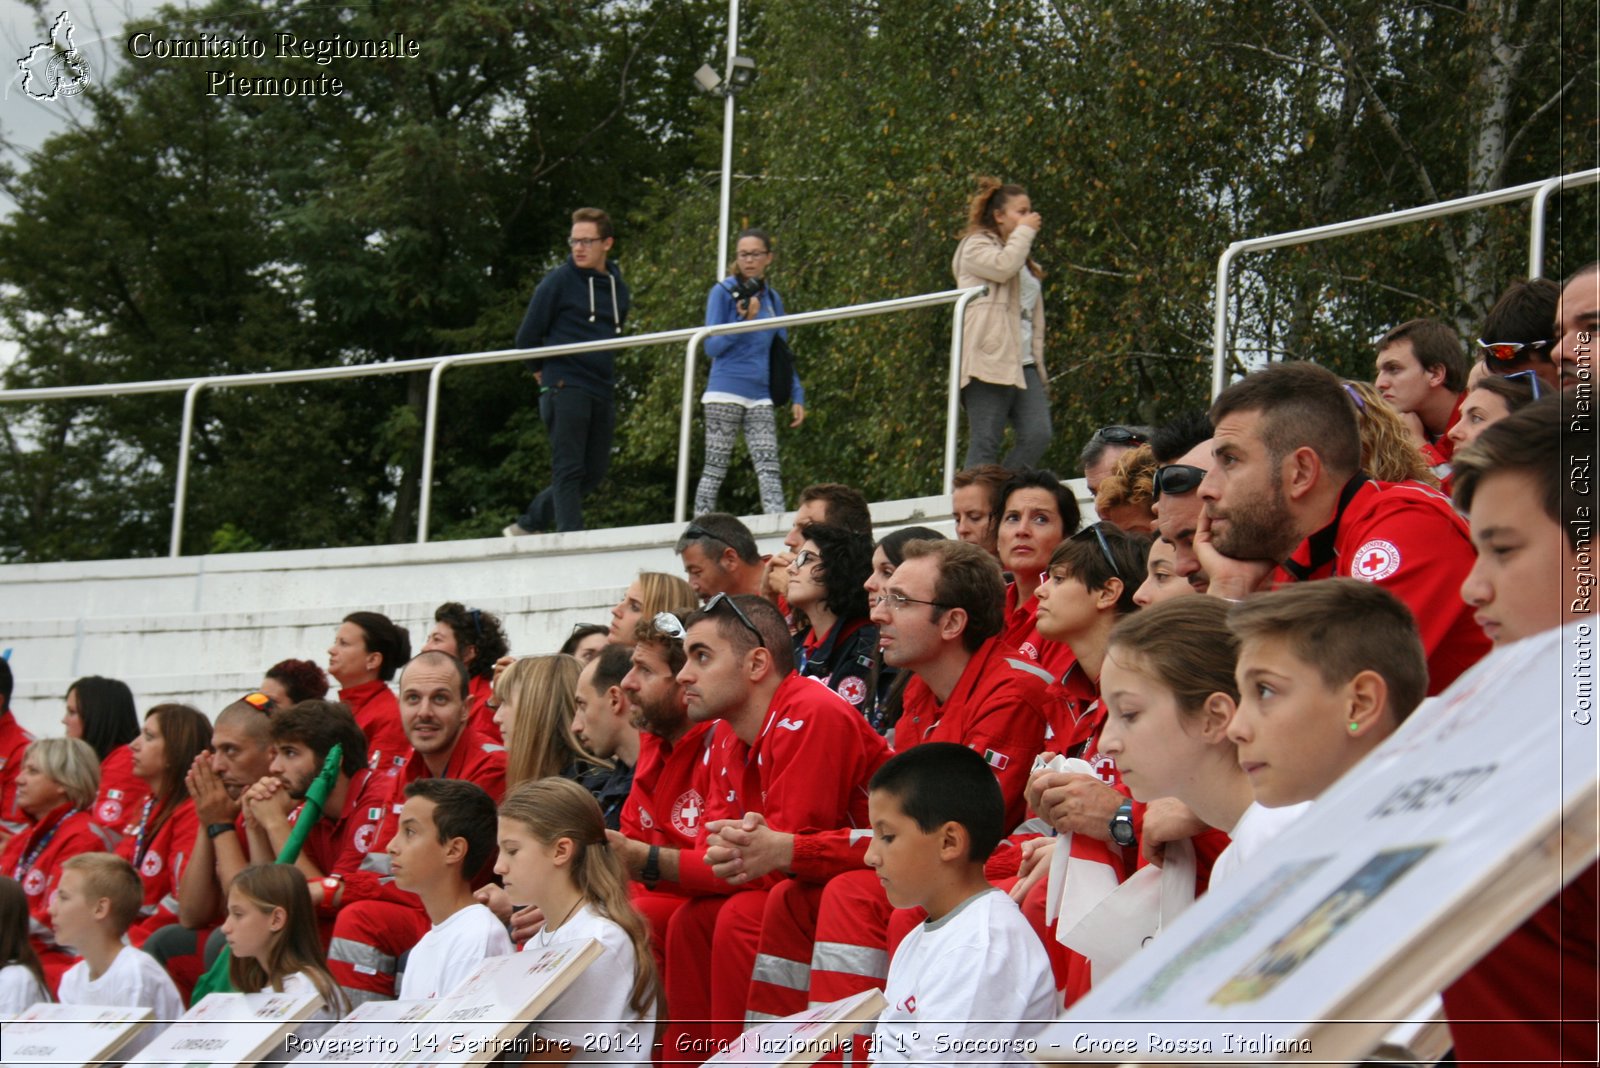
(575, 304)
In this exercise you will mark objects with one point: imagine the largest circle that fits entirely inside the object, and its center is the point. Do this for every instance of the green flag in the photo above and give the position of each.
(215, 980)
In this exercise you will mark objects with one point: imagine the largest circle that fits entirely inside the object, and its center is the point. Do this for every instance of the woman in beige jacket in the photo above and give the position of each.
(1002, 351)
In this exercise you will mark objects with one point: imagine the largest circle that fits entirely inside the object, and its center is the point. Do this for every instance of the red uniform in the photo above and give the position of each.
(1532, 999)
(377, 921)
(122, 793)
(33, 858)
(158, 856)
(807, 769)
(14, 742)
(481, 719)
(1408, 539)
(377, 713)
(1441, 450)
(1020, 631)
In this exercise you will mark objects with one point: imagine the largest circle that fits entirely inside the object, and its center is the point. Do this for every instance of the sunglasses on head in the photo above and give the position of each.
(1105, 549)
(669, 625)
(723, 599)
(1509, 353)
(1174, 479)
(260, 702)
(1118, 435)
(1530, 378)
(696, 532)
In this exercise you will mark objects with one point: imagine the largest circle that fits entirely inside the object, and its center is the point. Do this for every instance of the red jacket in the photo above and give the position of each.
(806, 771)
(377, 713)
(33, 858)
(1408, 539)
(159, 862)
(666, 804)
(481, 719)
(14, 742)
(1021, 631)
(122, 793)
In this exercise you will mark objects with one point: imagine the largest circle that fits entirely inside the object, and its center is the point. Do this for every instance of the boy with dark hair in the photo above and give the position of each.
(974, 970)
(1421, 373)
(446, 836)
(1518, 333)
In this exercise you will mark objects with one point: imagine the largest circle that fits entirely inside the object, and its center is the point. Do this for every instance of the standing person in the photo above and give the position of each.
(739, 394)
(1002, 349)
(584, 299)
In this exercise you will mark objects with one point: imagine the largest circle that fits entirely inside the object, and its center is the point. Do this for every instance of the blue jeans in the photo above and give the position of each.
(990, 407)
(580, 426)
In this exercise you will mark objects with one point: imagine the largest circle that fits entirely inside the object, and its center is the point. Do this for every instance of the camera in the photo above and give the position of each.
(745, 288)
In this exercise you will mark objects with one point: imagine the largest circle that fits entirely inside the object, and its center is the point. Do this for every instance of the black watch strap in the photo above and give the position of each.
(652, 868)
(214, 829)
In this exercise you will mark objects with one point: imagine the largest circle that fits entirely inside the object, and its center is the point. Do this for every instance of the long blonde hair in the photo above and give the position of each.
(297, 947)
(543, 695)
(553, 809)
(991, 196)
(661, 592)
(1388, 452)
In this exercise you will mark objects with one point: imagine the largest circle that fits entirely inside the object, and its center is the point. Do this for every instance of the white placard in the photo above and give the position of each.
(805, 1037)
(68, 1035)
(229, 1029)
(1483, 801)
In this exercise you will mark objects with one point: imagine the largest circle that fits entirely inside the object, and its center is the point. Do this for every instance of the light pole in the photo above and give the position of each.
(738, 74)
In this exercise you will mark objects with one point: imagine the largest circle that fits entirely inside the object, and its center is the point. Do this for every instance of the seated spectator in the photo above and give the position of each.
(973, 504)
(720, 556)
(586, 641)
(1183, 455)
(836, 642)
(288, 682)
(56, 784)
(93, 907)
(1104, 448)
(1126, 496)
(1532, 997)
(1036, 513)
(157, 842)
(888, 684)
(1577, 324)
(13, 742)
(1518, 332)
(22, 984)
(1389, 452)
(1161, 582)
(973, 964)
(1492, 400)
(475, 638)
(602, 723)
(536, 696)
(446, 837)
(101, 712)
(1288, 502)
(1421, 373)
(652, 593)
(833, 503)
(272, 932)
(367, 650)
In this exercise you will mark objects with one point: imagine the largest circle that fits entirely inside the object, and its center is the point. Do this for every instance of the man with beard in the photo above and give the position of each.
(1285, 501)
(603, 722)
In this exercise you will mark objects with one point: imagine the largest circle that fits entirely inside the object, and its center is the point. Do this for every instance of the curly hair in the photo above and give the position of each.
(991, 197)
(1131, 483)
(303, 680)
(1388, 452)
(477, 630)
(846, 563)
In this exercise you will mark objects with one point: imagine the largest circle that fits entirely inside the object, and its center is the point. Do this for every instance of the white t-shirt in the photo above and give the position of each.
(1258, 826)
(593, 1013)
(134, 980)
(951, 979)
(19, 990)
(449, 952)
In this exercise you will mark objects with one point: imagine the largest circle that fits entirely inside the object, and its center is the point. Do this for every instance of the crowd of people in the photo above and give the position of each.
(779, 780)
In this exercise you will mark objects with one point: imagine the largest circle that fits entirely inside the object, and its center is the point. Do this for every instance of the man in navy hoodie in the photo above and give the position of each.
(584, 299)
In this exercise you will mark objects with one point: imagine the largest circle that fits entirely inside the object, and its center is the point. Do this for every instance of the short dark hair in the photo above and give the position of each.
(1516, 393)
(303, 680)
(320, 725)
(476, 628)
(385, 637)
(990, 477)
(1083, 559)
(757, 233)
(1301, 406)
(434, 656)
(722, 531)
(596, 216)
(575, 639)
(1525, 312)
(106, 708)
(969, 579)
(1526, 443)
(1170, 441)
(463, 810)
(764, 616)
(847, 506)
(1040, 478)
(7, 682)
(613, 663)
(1097, 444)
(893, 544)
(846, 563)
(1434, 344)
(941, 782)
(1342, 627)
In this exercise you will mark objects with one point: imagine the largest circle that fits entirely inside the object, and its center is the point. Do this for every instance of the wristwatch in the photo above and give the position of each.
(214, 829)
(652, 868)
(1122, 825)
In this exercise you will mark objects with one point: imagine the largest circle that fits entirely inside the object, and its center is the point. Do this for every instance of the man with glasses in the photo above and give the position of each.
(1285, 501)
(1099, 457)
(584, 299)
(1422, 373)
(720, 556)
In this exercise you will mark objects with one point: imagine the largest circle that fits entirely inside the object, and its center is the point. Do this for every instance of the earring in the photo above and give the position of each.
(1354, 726)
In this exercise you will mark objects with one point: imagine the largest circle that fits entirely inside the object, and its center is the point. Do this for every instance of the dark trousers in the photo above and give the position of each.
(580, 426)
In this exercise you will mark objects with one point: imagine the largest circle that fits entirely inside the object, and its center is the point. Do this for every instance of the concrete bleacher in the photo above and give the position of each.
(202, 629)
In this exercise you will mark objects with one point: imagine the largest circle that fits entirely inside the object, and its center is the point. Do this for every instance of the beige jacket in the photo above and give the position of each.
(991, 344)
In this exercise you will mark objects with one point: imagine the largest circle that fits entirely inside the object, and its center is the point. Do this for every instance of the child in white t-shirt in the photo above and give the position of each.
(446, 836)
(21, 978)
(973, 979)
(95, 902)
(554, 855)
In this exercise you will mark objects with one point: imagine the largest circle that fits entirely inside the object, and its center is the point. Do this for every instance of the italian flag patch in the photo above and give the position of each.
(997, 761)
(375, 813)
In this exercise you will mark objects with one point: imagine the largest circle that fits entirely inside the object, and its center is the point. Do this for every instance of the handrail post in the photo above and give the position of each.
(430, 426)
(182, 489)
(680, 500)
(958, 327)
(1219, 322)
(1536, 226)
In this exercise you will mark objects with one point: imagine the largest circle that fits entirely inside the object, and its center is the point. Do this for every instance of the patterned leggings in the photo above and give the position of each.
(723, 423)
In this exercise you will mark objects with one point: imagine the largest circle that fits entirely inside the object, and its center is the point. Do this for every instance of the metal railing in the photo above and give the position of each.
(1539, 192)
(437, 365)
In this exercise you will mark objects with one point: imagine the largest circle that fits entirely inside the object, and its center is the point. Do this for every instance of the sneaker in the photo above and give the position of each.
(514, 530)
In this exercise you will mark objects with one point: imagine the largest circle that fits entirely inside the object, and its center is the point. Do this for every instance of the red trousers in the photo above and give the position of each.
(780, 981)
(369, 937)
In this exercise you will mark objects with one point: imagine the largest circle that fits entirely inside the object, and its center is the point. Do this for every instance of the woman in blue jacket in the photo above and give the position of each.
(738, 396)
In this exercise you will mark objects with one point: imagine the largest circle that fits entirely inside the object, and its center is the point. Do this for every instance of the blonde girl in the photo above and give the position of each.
(272, 930)
(538, 696)
(553, 855)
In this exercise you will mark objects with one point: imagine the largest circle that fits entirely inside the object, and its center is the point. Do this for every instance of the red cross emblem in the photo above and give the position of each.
(1375, 561)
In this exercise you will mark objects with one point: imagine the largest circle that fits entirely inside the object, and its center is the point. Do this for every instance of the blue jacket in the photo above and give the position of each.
(739, 361)
(575, 304)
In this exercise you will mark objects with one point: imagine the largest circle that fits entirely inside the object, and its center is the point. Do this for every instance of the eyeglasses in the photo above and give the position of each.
(260, 702)
(1506, 353)
(1099, 536)
(806, 559)
(697, 532)
(896, 601)
(723, 599)
(583, 242)
(670, 625)
(1174, 479)
(1355, 395)
(1118, 435)
(1534, 384)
